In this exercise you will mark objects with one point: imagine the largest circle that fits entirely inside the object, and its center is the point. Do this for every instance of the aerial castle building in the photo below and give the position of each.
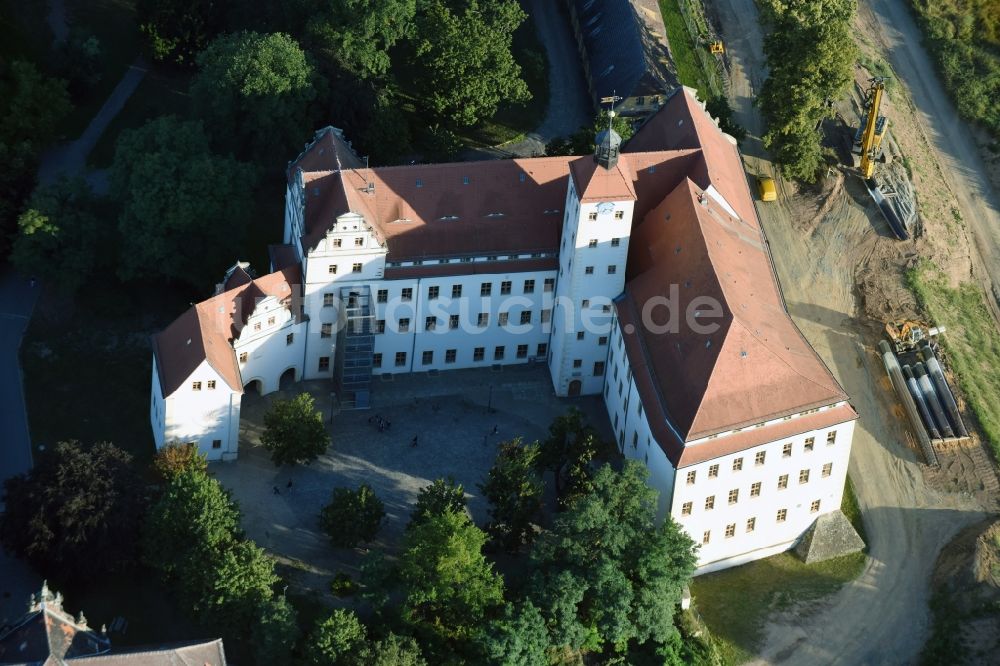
(640, 273)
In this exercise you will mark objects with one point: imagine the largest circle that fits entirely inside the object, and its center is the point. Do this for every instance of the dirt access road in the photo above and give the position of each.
(882, 617)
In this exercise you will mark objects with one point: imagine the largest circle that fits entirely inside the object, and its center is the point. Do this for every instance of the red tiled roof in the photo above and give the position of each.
(205, 332)
(595, 183)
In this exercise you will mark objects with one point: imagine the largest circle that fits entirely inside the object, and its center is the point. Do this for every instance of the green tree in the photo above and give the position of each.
(256, 93)
(179, 202)
(465, 67)
(360, 33)
(582, 142)
(388, 135)
(239, 581)
(190, 524)
(337, 639)
(294, 432)
(393, 650)
(173, 459)
(518, 638)
(568, 452)
(630, 572)
(276, 632)
(177, 30)
(448, 586)
(514, 491)
(352, 516)
(78, 511)
(78, 59)
(60, 237)
(441, 496)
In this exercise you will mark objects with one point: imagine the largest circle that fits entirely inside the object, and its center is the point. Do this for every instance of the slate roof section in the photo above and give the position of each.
(205, 332)
(625, 47)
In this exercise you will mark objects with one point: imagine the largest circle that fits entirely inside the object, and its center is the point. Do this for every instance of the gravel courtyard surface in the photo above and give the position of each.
(447, 413)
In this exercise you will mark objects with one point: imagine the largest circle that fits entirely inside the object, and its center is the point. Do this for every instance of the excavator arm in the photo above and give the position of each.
(874, 128)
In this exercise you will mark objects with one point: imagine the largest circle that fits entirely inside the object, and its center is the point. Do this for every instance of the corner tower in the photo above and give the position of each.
(597, 223)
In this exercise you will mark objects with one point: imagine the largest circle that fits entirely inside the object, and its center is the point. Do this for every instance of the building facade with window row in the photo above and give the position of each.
(639, 273)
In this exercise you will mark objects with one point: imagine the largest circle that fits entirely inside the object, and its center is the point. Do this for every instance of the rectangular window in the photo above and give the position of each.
(546, 316)
(380, 325)
(759, 458)
(243, 357)
(216, 443)
(592, 243)
(730, 530)
(407, 294)
(737, 464)
(782, 514)
(713, 471)
(526, 317)
(692, 475)
(522, 351)
(577, 362)
(804, 476)
(211, 384)
(751, 524)
(814, 507)
(504, 317)
(432, 292)
(456, 291)
(589, 270)
(755, 489)
(337, 242)
(549, 284)
(383, 295)
(483, 319)
(453, 322)
(782, 482)
(543, 349)
(327, 300)
(270, 321)
(686, 509)
(529, 286)
(326, 330)
(615, 242)
(332, 269)
(505, 287)
(734, 495)
(498, 353)
(585, 304)
(376, 360)
(612, 269)
(355, 268)
(786, 451)
(599, 369)
(603, 340)
(486, 288)
(709, 502)
(359, 242)
(449, 355)
(195, 386)
(810, 443)
(827, 470)
(427, 358)
(479, 353)
(831, 437)
(400, 359)
(619, 215)
(404, 325)
(580, 335)
(592, 216)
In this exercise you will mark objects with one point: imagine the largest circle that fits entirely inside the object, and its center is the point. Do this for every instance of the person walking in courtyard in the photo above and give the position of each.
(275, 490)
(413, 442)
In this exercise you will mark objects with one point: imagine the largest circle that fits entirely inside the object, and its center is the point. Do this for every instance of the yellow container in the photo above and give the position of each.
(768, 192)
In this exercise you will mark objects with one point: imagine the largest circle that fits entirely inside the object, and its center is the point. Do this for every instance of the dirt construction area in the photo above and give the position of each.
(843, 275)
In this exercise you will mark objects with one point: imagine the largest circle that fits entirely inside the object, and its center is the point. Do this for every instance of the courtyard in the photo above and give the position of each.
(453, 416)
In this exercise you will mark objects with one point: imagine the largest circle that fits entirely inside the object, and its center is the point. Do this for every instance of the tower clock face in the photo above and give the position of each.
(605, 207)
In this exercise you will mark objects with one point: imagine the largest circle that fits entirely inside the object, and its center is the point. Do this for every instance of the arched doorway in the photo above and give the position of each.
(254, 387)
(574, 387)
(287, 379)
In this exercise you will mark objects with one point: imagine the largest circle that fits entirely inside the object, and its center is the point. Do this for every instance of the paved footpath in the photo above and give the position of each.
(17, 299)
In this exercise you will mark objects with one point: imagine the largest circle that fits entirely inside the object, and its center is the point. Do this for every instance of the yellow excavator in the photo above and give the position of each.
(907, 335)
(868, 139)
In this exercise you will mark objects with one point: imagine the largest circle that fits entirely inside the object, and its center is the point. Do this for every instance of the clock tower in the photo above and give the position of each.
(597, 223)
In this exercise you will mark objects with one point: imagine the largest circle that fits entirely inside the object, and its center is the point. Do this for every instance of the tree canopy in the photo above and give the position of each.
(514, 490)
(256, 93)
(173, 459)
(60, 237)
(294, 432)
(465, 66)
(518, 638)
(78, 511)
(352, 516)
(177, 30)
(441, 496)
(179, 202)
(359, 33)
(606, 573)
(568, 452)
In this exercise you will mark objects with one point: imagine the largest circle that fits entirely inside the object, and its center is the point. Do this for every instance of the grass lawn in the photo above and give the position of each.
(736, 603)
(163, 91)
(972, 343)
(113, 23)
(682, 48)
